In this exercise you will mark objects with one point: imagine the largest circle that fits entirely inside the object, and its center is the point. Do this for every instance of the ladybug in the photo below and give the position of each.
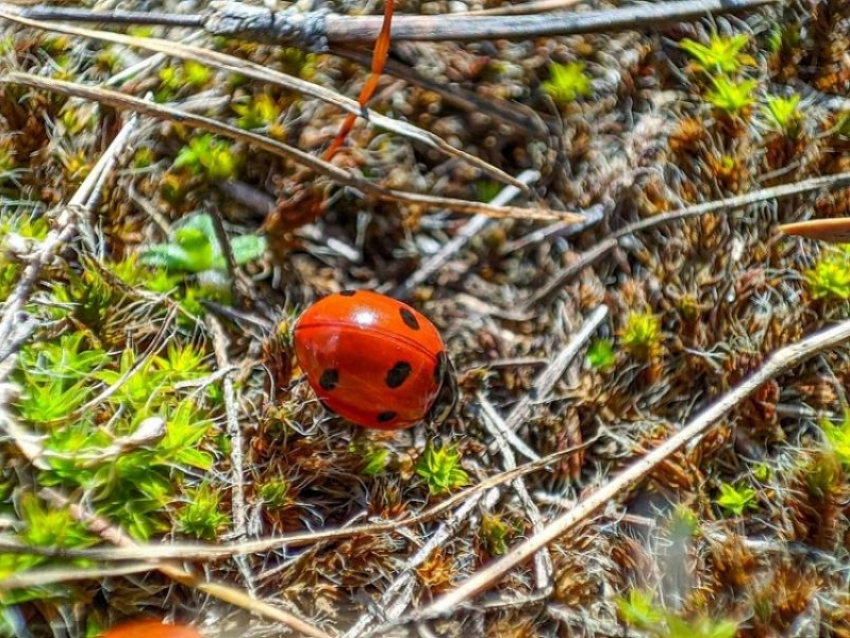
(151, 629)
(374, 360)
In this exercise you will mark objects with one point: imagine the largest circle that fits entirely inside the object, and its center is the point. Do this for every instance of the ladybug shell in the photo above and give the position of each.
(151, 629)
(371, 359)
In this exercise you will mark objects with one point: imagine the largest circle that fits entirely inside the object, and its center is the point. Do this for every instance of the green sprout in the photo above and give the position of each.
(173, 78)
(194, 248)
(702, 627)
(642, 334)
(196, 74)
(783, 113)
(376, 461)
(837, 436)
(734, 500)
(209, 156)
(567, 82)
(440, 467)
(601, 354)
(730, 97)
(830, 276)
(762, 472)
(257, 112)
(44, 526)
(200, 517)
(639, 609)
(722, 55)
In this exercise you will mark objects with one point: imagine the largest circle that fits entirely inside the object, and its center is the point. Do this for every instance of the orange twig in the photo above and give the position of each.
(379, 58)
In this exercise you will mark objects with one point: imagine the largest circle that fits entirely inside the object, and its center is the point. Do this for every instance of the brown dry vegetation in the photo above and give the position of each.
(145, 408)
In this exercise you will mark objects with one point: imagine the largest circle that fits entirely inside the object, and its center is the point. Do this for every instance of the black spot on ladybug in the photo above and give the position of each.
(440, 370)
(398, 374)
(329, 379)
(348, 293)
(409, 319)
(386, 417)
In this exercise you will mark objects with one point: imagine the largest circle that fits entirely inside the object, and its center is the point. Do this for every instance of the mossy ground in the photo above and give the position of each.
(121, 383)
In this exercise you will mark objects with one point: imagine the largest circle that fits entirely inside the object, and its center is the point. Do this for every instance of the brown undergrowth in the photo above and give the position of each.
(166, 318)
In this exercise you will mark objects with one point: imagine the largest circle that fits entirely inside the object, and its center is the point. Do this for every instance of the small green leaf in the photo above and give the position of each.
(376, 461)
(736, 500)
(440, 467)
(639, 610)
(601, 355)
(247, 248)
(567, 82)
(723, 54)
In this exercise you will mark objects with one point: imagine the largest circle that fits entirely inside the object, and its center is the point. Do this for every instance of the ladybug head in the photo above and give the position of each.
(446, 400)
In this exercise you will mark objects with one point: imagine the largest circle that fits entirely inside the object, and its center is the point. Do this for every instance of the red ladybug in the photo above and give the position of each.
(374, 360)
(151, 629)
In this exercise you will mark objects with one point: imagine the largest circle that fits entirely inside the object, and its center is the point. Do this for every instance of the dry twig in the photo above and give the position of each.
(209, 552)
(121, 101)
(547, 292)
(781, 361)
(316, 30)
(264, 74)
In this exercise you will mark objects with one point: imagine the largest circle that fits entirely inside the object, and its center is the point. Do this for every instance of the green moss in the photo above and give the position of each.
(567, 82)
(440, 467)
(830, 276)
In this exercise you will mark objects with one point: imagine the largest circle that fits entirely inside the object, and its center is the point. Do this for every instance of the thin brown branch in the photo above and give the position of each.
(781, 361)
(265, 74)
(315, 30)
(225, 593)
(547, 293)
(204, 552)
(159, 111)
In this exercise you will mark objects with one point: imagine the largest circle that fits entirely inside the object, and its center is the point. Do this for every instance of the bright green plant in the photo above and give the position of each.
(639, 609)
(721, 55)
(132, 486)
(783, 113)
(201, 516)
(209, 156)
(43, 526)
(194, 248)
(440, 467)
(837, 436)
(256, 112)
(734, 500)
(376, 461)
(54, 376)
(731, 97)
(567, 82)
(702, 627)
(642, 334)
(601, 354)
(830, 276)
(173, 78)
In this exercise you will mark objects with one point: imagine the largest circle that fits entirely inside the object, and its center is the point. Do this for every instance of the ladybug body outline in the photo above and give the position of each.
(374, 360)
